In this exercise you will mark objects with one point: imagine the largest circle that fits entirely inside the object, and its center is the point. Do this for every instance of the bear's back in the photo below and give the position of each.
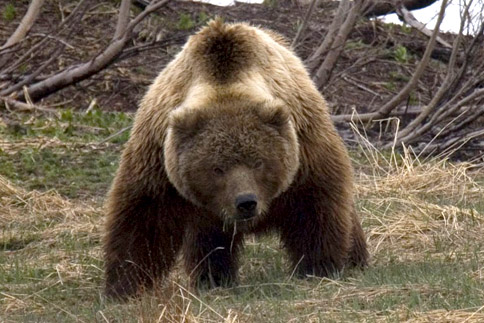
(237, 59)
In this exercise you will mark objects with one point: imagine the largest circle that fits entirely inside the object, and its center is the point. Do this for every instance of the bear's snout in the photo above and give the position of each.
(246, 205)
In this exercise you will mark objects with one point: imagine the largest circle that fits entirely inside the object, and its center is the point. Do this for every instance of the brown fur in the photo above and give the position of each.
(233, 97)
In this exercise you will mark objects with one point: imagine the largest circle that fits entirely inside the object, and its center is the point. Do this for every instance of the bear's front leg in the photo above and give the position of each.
(316, 232)
(211, 253)
(144, 235)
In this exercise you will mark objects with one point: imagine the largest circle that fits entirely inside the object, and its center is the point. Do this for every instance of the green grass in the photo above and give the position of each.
(401, 55)
(185, 22)
(9, 12)
(424, 225)
(69, 170)
(63, 152)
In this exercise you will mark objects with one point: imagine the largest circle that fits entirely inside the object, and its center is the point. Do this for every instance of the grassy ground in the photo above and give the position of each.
(424, 221)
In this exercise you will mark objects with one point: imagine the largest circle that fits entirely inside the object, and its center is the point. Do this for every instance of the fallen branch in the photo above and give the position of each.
(70, 20)
(114, 135)
(454, 143)
(75, 74)
(27, 22)
(315, 59)
(22, 106)
(407, 17)
(378, 8)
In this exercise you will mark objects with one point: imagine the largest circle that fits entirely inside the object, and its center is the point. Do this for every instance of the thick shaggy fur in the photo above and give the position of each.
(234, 95)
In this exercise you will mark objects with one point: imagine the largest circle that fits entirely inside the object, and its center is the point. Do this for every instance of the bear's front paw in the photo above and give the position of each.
(323, 269)
(209, 280)
(121, 290)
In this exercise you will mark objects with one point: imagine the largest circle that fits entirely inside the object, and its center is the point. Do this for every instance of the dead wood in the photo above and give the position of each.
(381, 8)
(75, 74)
(27, 21)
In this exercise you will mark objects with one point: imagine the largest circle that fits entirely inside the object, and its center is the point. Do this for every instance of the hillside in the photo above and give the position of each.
(377, 62)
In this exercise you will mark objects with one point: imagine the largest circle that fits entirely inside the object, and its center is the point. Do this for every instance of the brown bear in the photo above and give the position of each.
(231, 138)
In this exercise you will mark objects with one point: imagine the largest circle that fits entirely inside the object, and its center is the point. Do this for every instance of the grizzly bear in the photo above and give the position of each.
(232, 138)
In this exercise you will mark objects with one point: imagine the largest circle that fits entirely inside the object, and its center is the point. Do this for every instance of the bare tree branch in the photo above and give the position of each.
(468, 92)
(409, 18)
(394, 101)
(78, 73)
(472, 112)
(323, 73)
(315, 59)
(477, 94)
(443, 88)
(36, 73)
(302, 27)
(27, 21)
(72, 18)
(123, 19)
(454, 143)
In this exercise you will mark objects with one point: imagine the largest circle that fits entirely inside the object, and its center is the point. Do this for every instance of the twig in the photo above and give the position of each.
(359, 85)
(21, 106)
(302, 27)
(114, 135)
(91, 105)
(55, 38)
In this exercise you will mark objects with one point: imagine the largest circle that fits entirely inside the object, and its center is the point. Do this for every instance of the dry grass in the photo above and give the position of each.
(415, 213)
(32, 222)
(28, 208)
(410, 203)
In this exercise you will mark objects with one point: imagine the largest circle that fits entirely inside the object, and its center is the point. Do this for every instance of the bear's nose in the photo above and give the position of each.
(246, 204)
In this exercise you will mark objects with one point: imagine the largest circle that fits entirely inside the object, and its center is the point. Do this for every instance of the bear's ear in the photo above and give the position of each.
(186, 122)
(275, 116)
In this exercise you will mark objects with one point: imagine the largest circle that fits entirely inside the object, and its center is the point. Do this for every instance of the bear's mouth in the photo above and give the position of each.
(245, 216)
(242, 225)
(240, 221)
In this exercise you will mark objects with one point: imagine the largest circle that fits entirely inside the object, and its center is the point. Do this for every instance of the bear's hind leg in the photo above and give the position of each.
(211, 254)
(359, 254)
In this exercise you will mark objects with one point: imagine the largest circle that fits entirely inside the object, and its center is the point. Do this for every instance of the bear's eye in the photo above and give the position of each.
(258, 164)
(218, 171)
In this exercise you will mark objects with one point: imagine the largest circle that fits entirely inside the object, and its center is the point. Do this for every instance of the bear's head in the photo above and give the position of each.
(232, 157)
